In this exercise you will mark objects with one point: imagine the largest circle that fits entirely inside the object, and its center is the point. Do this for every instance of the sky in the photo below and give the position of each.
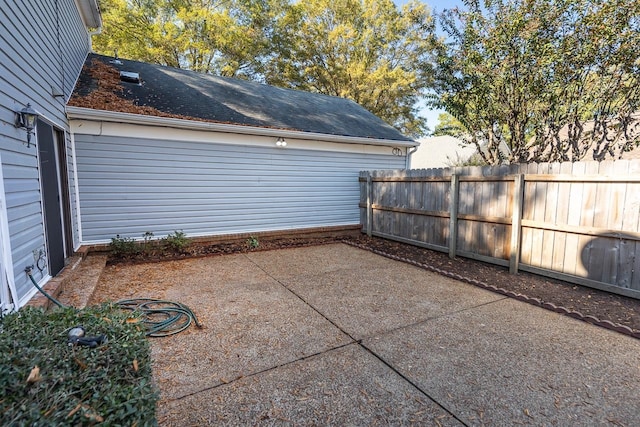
(436, 6)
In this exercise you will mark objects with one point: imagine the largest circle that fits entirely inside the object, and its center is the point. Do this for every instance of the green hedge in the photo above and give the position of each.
(78, 385)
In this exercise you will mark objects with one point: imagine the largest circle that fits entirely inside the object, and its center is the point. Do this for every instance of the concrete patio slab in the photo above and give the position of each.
(335, 335)
(287, 263)
(509, 363)
(342, 387)
(251, 322)
(376, 296)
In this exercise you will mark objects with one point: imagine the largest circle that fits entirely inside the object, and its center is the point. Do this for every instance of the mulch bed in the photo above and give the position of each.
(598, 307)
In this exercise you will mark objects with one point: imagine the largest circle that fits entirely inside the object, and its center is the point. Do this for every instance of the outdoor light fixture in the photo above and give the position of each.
(281, 142)
(26, 119)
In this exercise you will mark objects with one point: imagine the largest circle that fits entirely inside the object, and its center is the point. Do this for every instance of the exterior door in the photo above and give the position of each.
(54, 194)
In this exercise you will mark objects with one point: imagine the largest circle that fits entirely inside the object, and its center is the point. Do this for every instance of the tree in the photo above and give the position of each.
(364, 50)
(448, 125)
(554, 80)
(225, 37)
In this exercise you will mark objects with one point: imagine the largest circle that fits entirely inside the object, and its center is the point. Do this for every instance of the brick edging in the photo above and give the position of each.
(607, 324)
(55, 285)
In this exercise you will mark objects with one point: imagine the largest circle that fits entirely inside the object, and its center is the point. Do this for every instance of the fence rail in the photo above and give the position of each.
(578, 222)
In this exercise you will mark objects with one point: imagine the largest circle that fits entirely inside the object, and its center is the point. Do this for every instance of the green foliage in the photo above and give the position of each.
(127, 247)
(77, 385)
(176, 241)
(449, 125)
(253, 242)
(546, 80)
(226, 37)
(475, 160)
(123, 246)
(368, 51)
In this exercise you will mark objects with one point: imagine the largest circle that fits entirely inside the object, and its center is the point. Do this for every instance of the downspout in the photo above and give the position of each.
(409, 153)
(92, 18)
(95, 32)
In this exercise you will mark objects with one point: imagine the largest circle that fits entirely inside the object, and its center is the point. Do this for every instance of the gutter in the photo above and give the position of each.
(409, 153)
(81, 113)
(90, 13)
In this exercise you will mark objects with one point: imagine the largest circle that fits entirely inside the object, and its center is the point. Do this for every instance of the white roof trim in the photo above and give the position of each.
(90, 13)
(119, 117)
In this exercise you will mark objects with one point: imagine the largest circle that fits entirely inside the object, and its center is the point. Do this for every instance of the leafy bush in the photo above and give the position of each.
(123, 246)
(176, 241)
(76, 385)
(253, 242)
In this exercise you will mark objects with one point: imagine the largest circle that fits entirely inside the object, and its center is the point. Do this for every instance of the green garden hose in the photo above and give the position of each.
(42, 291)
(161, 318)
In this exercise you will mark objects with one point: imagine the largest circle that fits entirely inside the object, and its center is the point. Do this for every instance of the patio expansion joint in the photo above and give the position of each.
(353, 339)
(412, 383)
(429, 319)
(359, 342)
(271, 368)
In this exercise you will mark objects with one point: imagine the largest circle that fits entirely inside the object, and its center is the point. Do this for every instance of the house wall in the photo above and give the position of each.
(43, 45)
(439, 152)
(134, 179)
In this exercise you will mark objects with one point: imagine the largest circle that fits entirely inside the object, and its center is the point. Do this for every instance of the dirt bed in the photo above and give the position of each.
(589, 302)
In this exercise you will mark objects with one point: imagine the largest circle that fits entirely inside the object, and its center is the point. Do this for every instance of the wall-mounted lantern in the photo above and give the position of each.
(26, 119)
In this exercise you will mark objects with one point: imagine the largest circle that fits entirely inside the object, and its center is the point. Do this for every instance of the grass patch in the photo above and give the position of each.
(76, 385)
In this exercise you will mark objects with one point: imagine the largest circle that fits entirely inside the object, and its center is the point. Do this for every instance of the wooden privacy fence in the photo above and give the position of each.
(579, 222)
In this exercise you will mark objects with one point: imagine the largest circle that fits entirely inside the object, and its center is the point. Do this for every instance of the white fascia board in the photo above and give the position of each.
(119, 117)
(137, 131)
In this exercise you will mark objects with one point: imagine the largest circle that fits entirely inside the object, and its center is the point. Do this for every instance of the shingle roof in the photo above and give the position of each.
(173, 92)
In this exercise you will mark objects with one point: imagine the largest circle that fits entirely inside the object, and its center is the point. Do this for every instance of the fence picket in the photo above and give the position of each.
(453, 214)
(585, 266)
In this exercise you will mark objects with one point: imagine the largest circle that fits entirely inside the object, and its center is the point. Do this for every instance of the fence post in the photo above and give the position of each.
(453, 214)
(516, 227)
(369, 206)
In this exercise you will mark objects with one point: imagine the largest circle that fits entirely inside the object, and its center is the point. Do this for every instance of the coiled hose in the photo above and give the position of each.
(161, 318)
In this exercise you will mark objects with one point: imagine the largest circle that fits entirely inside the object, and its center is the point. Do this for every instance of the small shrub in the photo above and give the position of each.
(123, 246)
(176, 241)
(253, 242)
(148, 243)
(475, 160)
(76, 385)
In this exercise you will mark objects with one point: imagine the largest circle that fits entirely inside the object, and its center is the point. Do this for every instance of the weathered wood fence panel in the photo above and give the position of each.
(579, 222)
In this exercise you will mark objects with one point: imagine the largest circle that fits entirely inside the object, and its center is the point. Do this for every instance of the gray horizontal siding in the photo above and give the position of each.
(41, 48)
(130, 186)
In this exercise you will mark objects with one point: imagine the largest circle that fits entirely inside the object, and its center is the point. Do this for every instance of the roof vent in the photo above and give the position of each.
(130, 77)
(116, 60)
